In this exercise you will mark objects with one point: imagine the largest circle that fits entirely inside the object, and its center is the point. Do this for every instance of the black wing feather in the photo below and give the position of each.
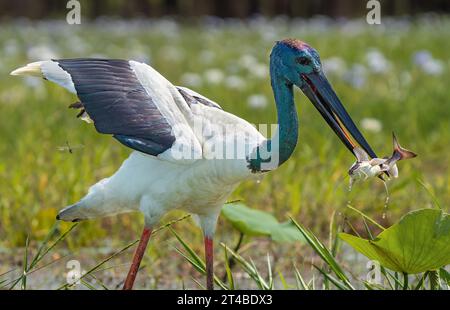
(118, 104)
(191, 98)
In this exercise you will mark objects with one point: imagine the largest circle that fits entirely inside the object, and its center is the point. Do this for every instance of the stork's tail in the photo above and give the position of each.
(73, 213)
(49, 70)
(33, 69)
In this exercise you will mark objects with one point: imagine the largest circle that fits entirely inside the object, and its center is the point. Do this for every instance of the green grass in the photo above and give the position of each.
(36, 179)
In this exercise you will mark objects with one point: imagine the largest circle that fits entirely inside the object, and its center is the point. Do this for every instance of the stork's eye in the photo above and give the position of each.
(304, 61)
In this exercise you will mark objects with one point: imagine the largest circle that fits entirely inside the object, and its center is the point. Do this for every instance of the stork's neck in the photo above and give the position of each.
(283, 143)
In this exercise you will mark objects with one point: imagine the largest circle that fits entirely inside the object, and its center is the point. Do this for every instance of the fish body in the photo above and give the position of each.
(365, 168)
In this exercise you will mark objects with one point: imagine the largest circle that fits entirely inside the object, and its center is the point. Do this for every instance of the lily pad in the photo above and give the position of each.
(259, 223)
(419, 242)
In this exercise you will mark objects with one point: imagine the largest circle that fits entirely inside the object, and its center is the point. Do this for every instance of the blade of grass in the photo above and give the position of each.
(99, 282)
(231, 261)
(312, 283)
(373, 286)
(300, 281)
(198, 283)
(249, 268)
(167, 225)
(430, 192)
(269, 268)
(198, 267)
(398, 284)
(367, 228)
(60, 239)
(191, 252)
(283, 280)
(262, 283)
(445, 276)
(405, 281)
(384, 273)
(88, 285)
(421, 281)
(52, 231)
(366, 217)
(6, 272)
(333, 280)
(33, 271)
(435, 283)
(324, 253)
(25, 264)
(67, 285)
(40, 256)
(195, 260)
(228, 270)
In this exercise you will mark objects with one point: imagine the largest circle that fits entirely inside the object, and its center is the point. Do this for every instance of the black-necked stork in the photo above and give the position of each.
(182, 140)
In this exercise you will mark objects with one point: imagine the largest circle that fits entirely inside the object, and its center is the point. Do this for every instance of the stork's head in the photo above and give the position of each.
(299, 64)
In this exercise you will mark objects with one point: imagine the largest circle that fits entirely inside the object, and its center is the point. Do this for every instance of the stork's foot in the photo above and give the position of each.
(132, 273)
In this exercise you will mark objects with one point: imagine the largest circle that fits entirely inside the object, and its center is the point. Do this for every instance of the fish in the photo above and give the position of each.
(365, 168)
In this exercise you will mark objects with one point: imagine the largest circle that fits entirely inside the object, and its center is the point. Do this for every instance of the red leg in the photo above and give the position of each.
(137, 259)
(209, 254)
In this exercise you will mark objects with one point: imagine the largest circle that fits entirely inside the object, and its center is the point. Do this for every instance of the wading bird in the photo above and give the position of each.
(173, 164)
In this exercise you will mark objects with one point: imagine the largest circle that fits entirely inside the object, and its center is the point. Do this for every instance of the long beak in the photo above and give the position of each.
(321, 94)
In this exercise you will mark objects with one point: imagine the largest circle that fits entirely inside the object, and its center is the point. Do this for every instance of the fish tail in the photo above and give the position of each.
(401, 153)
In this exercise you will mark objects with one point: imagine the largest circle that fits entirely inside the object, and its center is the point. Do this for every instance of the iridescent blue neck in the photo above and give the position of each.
(283, 143)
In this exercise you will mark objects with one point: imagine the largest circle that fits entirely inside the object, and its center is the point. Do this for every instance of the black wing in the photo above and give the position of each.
(118, 104)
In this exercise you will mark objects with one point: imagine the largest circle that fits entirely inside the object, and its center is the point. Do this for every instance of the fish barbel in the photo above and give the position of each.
(365, 168)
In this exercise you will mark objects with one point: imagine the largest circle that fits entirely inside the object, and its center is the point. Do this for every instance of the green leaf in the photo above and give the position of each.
(259, 223)
(419, 242)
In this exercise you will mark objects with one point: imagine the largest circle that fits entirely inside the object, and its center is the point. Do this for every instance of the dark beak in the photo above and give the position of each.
(321, 94)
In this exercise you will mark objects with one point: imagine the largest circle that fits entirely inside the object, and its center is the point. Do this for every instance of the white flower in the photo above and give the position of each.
(376, 61)
(422, 57)
(10, 47)
(433, 67)
(333, 65)
(214, 76)
(172, 53)
(235, 82)
(40, 52)
(206, 56)
(425, 61)
(32, 82)
(371, 124)
(259, 70)
(191, 79)
(356, 76)
(247, 61)
(257, 101)
(98, 55)
(77, 44)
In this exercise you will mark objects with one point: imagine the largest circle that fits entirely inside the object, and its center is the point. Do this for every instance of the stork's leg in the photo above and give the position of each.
(137, 259)
(208, 224)
(209, 257)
